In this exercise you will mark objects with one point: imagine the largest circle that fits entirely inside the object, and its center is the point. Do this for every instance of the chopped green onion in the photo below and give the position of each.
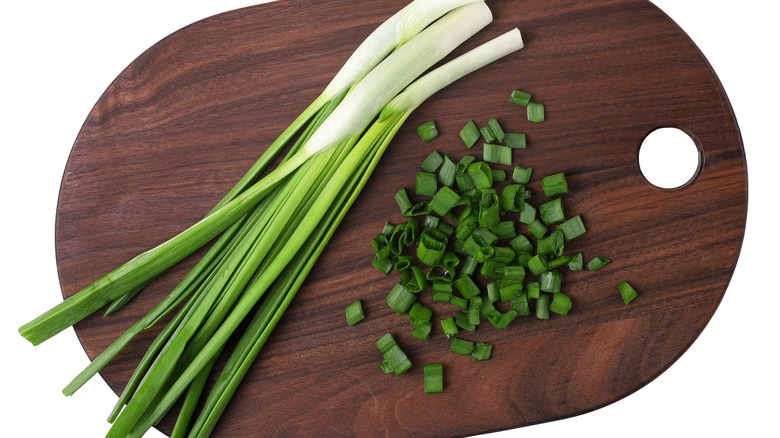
(515, 140)
(510, 291)
(475, 304)
(466, 287)
(550, 281)
(551, 212)
(496, 129)
(528, 214)
(575, 262)
(499, 175)
(431, 247)
(459, 302)
(433, 378)
(470, 134)
(520, 305)
(522, 175)
(504, 230)
(419, 209)
(469, 266)
(533, 290)
(561, 304)
(418, 282)
(513, 198)
(482, 351)
(496, 153)
(572, 228)
(597, 263)
(432, 163)
(463, 321)
(558, 262)
(487, 134)
(535, 112)
(543, 306)
(520, 98)
(442, 292)
(464, 181)
(393, 356)
(552, 244)
(444, 200)
(387, 230)
(538, 229)
(507, 318)
(493, 293)
(382, 265)
(510, 275)
(402, 198)
(490, 266)
(422, 331)
(425, 184)
(555, 185)
(385, 366)
(523, 258)
(627, 292)
(419, 314)
(461, 346)
(428, 131)
(400, 299)
(449, 327)
(537, 264)
(355, 313)
(521, 244)
(431, 221)
(463, 164)
(489, 211)
(447, 171)
(481, 175)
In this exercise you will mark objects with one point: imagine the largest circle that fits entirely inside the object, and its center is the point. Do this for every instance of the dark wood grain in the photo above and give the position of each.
(184, 121)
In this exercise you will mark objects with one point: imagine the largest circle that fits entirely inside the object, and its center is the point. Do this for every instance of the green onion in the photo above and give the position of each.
(537, 264)
(496, 153)
(489, 211)
(513, 198)
(470, 134)
(481, 175)
(520, 98)
(550, 281)
(393, 356)
(481, 352)
(403, 201)
(575, 262)
(572, 228)
(382, 265)
(627, 292)
(504, 230)
(496, 129)
(442, 292)
(551, 245)
(422, 331)
(475, 305)
(535, 112)
(551, 212)
(597, 263)
(520, 305)
(538, 229)
(466, 287)
(461, 346)
(425, 184)
(459, 302)
(431, 247)
(355, 313)
(533, 290)
(499, 175)
(433, 378)
(561, 304)
(521, 244)
(543, 307)
(447, 171)
(432, 162)
(515, 140)
(449, 327)
(558, 262)
(444, 200)
(400, 299)
(428, 131)
(463, 321)
(522, 175)
(555, 185)
(527, 214)
(487, 134)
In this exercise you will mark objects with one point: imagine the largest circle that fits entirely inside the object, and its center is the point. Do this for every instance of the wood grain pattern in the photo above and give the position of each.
(184, 121)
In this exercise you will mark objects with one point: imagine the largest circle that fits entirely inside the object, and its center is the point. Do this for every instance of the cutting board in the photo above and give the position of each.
(185, 119)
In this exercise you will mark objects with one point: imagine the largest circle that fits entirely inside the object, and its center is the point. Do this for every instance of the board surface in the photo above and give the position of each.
(184, 121)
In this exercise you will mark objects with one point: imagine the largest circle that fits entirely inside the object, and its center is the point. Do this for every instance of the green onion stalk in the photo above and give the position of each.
(270, 231)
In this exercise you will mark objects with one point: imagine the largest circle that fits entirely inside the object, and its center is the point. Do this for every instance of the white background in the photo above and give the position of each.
(726, 384)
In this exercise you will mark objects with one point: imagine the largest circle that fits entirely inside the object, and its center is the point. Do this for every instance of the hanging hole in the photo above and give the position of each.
(669, 159)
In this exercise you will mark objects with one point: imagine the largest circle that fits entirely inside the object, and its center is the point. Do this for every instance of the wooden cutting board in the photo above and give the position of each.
(184, 121)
